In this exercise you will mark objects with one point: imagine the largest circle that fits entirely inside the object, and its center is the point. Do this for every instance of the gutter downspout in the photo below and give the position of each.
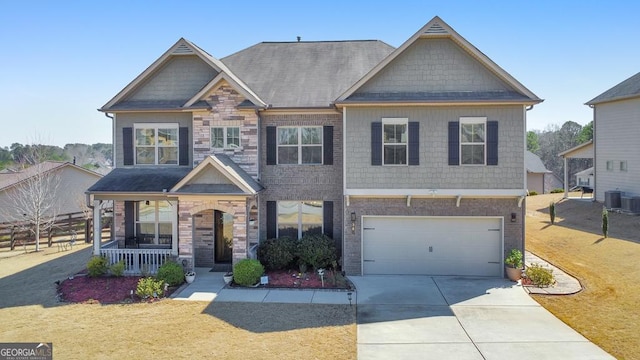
(113, 136)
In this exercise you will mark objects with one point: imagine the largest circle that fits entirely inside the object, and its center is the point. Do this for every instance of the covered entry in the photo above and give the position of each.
(432, 245)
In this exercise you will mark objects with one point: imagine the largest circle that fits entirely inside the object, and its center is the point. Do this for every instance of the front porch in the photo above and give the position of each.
(141, 260)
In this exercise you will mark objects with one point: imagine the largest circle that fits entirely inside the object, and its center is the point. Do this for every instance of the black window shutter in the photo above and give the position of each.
(127, 146)
(129, 218)
(414, 143)
(272, 219)
(376, 143)
(454, 143)
(492, 143)
(272, 146)
(183, 139)
(327, 218)
(327, 140)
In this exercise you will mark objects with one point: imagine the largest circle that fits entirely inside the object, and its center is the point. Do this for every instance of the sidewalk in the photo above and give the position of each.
(565, 283)
(209, 286)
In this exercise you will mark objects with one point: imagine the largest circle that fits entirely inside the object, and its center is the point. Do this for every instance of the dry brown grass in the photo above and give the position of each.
(169, 329)
(607, 312)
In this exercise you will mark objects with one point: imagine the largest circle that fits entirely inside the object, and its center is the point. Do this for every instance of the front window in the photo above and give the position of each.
(623, 165)
(225, 137)
(154, 223)
(297, 218)
(300, 145)
(394, 141)
(472, 141)
(156, 144)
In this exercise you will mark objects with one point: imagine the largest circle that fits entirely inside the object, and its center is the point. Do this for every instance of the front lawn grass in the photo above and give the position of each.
(607, 311)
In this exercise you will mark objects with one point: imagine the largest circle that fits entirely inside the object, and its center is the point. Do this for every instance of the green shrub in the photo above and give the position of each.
(533, 193)
(150, 287)
(605, 222)
(539, 275)
(171, 272)
(316, 250)
(97, 266)
(557, 191)
(247, 272)
(277, 254)
(117, 269)
(552, 212)
(514, 259)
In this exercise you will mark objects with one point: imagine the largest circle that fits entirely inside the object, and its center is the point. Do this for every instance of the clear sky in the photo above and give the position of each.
(61, 60)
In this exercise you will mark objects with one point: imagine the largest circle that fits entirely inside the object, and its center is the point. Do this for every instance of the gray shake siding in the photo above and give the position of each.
(434, 171)
(179, 79)
(127, 120)
(433, 65)
(513, 231)
(616, 133)
(303, 182)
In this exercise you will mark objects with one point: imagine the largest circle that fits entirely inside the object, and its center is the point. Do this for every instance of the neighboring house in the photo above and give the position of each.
(584, 178)
(411, 159)
(536, 173)
(73, 180)
(582, 151)
(616, 125)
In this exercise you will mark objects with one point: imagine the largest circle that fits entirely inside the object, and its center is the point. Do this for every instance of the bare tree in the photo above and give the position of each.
(33, 201)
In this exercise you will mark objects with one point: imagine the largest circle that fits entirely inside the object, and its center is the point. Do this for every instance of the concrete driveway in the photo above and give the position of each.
(423, 317)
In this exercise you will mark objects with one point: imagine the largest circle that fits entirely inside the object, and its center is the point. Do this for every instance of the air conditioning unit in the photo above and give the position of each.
(612, 199)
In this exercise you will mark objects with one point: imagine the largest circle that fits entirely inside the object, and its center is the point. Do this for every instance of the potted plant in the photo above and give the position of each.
(228, 277)
(513, 265)
(189, 276)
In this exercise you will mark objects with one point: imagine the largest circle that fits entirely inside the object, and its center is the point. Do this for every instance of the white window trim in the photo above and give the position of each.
(396, 121)
(300, 223)
(300, 145)
(472, 120)
(224, 131)
(156, 220)
(156, 126)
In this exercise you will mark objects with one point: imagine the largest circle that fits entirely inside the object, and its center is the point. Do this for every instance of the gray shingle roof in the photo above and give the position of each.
(140, 179)
(210, 189)
(533, 163)
(626, 89)
(156, 105)
(439, 96)
(305, 74)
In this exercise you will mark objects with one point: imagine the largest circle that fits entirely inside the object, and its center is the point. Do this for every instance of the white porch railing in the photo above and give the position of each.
(136, 261)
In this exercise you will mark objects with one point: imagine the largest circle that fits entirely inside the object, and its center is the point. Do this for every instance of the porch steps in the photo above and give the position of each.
(221, 268)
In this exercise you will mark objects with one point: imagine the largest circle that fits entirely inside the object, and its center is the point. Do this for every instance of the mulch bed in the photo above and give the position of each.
(102, 290)
(291, 279)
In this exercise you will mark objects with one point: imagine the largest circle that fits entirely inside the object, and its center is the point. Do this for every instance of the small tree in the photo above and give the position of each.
(552, 212)
(605, 222)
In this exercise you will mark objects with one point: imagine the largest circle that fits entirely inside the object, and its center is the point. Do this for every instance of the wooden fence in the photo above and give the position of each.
(12, 234)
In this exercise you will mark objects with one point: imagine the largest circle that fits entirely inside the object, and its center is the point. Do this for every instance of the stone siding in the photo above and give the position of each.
(513, 231)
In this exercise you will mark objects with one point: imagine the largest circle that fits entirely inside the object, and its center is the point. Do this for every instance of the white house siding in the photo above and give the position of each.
(434, 172)
(433, 65)
(179, 79)
(124, 120)
(617, 138)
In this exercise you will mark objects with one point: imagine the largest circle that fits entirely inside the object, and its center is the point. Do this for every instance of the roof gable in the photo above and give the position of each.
(12, 178)
(427, 84)
(533, 163)
(627, 89)
(218, 174)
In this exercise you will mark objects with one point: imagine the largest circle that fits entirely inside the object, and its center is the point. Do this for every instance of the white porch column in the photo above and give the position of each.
(97, 227)
(566, 178)
(174, 227)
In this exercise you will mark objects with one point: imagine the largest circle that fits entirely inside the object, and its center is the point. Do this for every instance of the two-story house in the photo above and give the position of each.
(411, 159)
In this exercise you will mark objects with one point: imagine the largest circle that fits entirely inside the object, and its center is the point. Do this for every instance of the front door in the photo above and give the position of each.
(223, 237)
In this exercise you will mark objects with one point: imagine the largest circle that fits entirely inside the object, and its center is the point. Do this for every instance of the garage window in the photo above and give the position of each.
(297, 218)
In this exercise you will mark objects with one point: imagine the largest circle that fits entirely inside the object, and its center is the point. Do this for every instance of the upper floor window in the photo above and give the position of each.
(623, 165)
(300, 145)
(297, 218)
(609, 165)
(225, 137)
(394, 141)
(473, 140)
(156, 144)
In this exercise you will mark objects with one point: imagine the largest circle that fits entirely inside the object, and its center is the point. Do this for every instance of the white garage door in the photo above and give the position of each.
(432, 245)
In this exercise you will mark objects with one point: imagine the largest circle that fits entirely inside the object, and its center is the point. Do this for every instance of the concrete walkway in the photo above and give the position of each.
(565, 283)
(209, 286)
(423, 317)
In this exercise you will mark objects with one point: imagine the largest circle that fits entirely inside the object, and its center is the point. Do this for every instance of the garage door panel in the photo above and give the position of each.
(432, 246)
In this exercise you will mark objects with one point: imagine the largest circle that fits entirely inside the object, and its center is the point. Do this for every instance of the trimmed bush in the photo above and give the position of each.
(171, 272)
(557, 191)
(533, 193)
(117, 269)
(605, 222)
(149, 287)
(317, 251)
(97, 266)
(539, 275)
(247, 272)
(552, 212)
(277, 254)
